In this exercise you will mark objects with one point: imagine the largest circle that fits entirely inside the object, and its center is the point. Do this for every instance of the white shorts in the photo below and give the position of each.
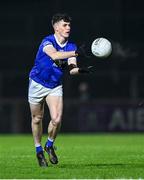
(37, 93)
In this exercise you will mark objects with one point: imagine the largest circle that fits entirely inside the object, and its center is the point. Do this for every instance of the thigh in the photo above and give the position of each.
(55, 104)
(37, 109)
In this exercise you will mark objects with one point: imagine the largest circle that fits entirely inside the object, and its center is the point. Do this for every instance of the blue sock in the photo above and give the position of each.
(39, 149)
(49, 143)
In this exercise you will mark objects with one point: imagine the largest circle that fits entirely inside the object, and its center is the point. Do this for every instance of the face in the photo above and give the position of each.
(63, 28)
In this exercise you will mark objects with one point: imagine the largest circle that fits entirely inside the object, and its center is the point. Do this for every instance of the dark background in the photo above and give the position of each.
(23, 24)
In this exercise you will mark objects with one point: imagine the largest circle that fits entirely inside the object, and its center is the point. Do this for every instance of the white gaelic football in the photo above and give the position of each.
(101, 47)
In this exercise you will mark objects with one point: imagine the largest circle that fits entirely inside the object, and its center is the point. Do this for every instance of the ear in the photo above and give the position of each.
(55, 26)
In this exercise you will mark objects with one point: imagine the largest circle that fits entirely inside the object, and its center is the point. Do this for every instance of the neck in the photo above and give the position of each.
(60, 39)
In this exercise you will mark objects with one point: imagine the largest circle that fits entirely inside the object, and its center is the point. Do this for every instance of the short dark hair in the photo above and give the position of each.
(60, 16)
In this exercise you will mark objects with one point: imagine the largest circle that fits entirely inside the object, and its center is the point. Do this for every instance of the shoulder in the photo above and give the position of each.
(48, 40)
(49, 37)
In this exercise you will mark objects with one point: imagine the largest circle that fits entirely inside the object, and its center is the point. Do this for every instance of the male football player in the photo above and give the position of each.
(55, 51)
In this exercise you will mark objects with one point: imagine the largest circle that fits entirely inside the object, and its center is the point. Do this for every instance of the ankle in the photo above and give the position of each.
(39, 149)
(49, 142)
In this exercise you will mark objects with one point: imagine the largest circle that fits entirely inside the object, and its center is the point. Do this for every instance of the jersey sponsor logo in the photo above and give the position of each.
(60, 63)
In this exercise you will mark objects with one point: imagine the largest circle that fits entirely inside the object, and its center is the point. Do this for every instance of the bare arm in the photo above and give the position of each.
(56, 55)
(71, 55)
(72, 63)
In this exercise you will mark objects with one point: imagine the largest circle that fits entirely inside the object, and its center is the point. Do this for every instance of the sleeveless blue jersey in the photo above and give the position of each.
(46, 71)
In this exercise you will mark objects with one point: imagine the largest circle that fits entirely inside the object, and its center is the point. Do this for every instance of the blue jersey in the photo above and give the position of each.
(46, 71)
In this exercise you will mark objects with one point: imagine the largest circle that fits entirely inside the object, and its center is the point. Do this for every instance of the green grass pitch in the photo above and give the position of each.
(81, 156)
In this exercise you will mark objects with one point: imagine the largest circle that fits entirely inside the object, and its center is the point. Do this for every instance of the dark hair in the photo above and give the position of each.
(60, 16)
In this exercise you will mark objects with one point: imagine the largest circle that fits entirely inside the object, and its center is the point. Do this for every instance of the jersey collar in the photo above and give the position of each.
(61, 45)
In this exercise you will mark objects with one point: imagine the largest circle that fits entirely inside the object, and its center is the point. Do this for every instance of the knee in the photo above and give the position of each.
(36, 119)
(56, 121)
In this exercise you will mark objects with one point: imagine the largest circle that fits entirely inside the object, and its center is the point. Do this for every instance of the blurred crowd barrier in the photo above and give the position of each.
(79, 116)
